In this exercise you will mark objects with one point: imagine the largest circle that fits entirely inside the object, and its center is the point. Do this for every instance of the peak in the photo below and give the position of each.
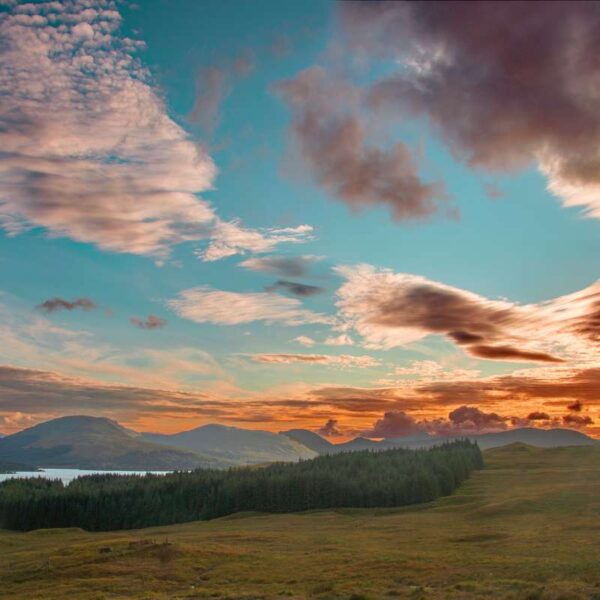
(73, 423)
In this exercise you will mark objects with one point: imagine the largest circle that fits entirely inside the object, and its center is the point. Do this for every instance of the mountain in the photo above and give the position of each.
(241, 446)
(322, 446)
(310, 439)
(94, 443)
(361, 443)
(542, 438)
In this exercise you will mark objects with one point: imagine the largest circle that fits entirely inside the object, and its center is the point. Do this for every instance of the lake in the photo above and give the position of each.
(67, 475)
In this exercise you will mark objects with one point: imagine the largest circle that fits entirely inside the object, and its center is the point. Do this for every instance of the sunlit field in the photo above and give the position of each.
(525, 527)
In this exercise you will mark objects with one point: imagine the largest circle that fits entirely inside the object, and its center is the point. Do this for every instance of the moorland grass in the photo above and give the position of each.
(525, 527)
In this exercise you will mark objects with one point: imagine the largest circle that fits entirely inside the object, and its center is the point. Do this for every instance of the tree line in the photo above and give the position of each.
(356, 479)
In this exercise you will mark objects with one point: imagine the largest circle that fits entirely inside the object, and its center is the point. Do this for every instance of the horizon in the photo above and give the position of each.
(358, 219)
(335, 440)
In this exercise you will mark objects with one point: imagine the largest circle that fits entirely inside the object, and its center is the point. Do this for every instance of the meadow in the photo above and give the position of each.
(526, 526)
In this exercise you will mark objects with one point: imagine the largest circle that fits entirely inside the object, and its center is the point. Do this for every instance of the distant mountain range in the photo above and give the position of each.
(240, 446)
(98, 443)
(95, 443)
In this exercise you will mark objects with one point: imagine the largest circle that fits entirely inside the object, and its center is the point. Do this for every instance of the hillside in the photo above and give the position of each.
(354, 479)
(239, 446)
(310, 439)
(524, 527)
(94, 443)
(541, 438)
(7, 466)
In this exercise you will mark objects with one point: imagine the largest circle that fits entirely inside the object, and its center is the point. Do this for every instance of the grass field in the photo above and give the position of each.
(527, 526)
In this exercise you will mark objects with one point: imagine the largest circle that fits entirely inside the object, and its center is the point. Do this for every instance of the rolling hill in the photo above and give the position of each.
(239, 446)
(94, 443)
(541, 438)
(310, 439)
(526, 526)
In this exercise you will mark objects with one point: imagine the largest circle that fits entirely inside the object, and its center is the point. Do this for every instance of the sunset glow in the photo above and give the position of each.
(359, 219)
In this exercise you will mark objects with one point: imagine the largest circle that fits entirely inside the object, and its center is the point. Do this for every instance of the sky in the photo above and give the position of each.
(364, 218)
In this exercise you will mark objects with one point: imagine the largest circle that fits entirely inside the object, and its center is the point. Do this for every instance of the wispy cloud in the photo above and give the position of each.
(206, 305)
(286, 266)
(393, 309)
(231, 238)
(213, 85)
(342, 360)
(89, 151)
(304, 340)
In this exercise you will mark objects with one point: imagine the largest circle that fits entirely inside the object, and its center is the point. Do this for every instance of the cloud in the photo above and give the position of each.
(206, 305)
(430, 370)
(297, 289)
(304, 340)
(467, 418)
(577, 420)
(464, 420)
(394, 309)
(576, 406)
(330, 429)
(339, 340)
(286, 266)
(510, 353)
(213, 85)
(556, 384)
(55, 304)
(505, 86)
(343, 360)
(395, 423)
(46, 393)
(88, 150)
(151, 322)
(231, 238)
(538, 416)
(332, 140)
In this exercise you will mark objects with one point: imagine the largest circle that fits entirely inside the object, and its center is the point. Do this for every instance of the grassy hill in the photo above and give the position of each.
(236, 445)
(526, 527)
